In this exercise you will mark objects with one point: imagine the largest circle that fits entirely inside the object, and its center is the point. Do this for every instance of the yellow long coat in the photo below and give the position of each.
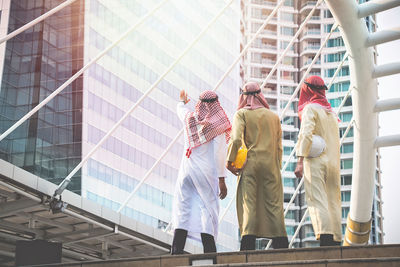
(321, 174)
(259, 199)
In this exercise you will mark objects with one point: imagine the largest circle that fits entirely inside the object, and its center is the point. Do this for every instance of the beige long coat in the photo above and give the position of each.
(259, 198)
(321, 174)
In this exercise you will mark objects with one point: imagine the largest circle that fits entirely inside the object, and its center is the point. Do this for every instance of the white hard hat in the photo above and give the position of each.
(317, 147)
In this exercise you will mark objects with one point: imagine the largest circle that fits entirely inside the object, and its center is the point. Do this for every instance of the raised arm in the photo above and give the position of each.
(181, 109)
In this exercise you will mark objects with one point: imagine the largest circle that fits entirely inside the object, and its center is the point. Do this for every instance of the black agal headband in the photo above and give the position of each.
(209, 100)
(250, 93)
(316, 87)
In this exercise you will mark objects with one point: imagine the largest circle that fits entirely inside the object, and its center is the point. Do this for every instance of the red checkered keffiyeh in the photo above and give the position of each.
(207, 122)
(313, 92)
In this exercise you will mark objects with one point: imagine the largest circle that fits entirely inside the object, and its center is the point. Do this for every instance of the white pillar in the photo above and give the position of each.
(361, 63)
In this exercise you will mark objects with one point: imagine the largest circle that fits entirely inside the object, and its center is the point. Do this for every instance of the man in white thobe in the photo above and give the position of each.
(201, 178)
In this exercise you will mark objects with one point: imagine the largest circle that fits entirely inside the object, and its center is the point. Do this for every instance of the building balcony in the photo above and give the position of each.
(263, 17)
(306, 64)
(312, 34)
(307, 5)
(268, 92)
(264, 46)
(311, 49)
(264, 3)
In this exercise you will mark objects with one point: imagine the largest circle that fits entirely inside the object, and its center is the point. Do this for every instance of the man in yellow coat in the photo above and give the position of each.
(259, 199)
(320, 161)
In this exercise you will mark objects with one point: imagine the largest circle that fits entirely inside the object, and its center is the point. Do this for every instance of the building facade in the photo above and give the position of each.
(36, 62)
(259, 61)
(54, 141)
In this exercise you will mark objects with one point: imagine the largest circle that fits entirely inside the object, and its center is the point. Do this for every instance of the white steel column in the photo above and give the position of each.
(364, 97)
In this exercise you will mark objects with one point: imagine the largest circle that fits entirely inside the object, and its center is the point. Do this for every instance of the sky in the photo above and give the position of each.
(389, 121)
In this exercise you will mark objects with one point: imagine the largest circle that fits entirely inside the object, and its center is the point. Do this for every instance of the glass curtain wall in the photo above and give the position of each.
(36, 63)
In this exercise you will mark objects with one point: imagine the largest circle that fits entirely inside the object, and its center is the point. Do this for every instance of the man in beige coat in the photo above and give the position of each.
(259, 199)
(321, 172)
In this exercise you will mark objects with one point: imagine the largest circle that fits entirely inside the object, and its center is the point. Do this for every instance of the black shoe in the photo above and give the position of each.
(326, 240)
(280, 242)
(248, 242)
(208, 243)
(178, 243)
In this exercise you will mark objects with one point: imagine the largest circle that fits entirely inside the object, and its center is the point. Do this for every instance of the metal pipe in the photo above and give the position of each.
(36, 21)
(389, 140)
(383, 36)
(344, 100)
(346, 131)
(375, 6)
(66, 181)
(77, 74)
(150, 171)
(307, 71)
(280, 3)
(386, 70)
(387, 104)
(290, 43)
(298, 228)
(346, 55)
(364, 95)
(293, 150)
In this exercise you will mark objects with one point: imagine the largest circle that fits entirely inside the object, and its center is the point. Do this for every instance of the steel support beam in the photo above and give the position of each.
(389, 140)
(361, 63)
(376, 6)
(383, 36)
(9, 195)
(12, 207)
(386, 70)
(103, 233)
(118, 244)
(76, 232)
(47, 221)
(78, 255)
(15, 227)
(387, 104)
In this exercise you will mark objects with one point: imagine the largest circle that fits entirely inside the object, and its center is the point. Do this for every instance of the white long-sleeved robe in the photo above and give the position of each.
(196, 201)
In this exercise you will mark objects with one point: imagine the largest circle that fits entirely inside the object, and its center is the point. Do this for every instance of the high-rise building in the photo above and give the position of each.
(34, 64)
(259, 60)
(54, 140)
